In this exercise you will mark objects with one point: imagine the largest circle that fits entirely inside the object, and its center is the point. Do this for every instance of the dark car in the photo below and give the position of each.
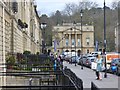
(118, 68)
(82, 60)
(114, 65)
(89, 61)
(74, 59)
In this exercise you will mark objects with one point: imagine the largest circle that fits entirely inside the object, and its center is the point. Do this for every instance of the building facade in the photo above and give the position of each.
(70, 37)
(19, 29)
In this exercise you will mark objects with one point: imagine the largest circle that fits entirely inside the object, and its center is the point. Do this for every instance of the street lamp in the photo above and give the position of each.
(81, 15)
(43, 26)
(75, 40)
(105, 75)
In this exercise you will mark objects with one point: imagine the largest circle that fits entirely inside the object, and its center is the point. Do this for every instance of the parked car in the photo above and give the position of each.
(89, 60)
(118, 68)
(74, 59)
(96, 53)
(62, 56)
(114, 65)
(82, 60)
(69, 55)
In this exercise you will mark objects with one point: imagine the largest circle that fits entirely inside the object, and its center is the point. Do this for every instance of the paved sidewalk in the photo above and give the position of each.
(88, 76)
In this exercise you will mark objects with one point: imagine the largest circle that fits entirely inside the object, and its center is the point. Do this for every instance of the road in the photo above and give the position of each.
(88, 76)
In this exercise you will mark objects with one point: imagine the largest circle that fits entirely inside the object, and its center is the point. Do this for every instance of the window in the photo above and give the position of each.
(87, 50)
(66, 42)
(58, 43)
(79, 42)
(14, 7)
(73, 42)
(88, 41)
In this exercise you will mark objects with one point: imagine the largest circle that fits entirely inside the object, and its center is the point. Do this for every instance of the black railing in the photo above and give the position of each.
(77, 82)
(94, 87)
(36, 72)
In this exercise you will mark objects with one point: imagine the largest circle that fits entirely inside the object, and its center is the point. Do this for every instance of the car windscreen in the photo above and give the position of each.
(119, 59)
(89, 56)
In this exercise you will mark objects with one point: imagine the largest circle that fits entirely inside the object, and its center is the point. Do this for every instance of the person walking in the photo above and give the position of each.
(99, 63)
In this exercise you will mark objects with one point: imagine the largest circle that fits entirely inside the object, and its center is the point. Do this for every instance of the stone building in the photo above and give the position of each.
(70, 37)
(27, 26)
(19, 29)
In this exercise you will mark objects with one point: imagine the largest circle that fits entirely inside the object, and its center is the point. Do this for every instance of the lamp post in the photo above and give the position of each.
(105, 75)
(43, 26)
(81, 15)
(75, 40)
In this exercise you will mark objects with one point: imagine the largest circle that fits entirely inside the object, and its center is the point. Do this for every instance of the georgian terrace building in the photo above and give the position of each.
(19, 29)
(70, 37)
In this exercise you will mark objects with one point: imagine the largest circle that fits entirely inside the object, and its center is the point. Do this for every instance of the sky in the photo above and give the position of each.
(50, 6)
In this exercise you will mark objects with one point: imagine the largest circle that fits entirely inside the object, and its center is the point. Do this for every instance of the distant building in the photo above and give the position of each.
(69, 37)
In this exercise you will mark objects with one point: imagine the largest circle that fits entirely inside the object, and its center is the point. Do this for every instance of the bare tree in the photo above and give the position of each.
(70, 8)
(87, 5)
(114, 5)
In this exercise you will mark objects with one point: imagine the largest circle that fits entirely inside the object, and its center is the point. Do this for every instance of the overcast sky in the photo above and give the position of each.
(49, 6)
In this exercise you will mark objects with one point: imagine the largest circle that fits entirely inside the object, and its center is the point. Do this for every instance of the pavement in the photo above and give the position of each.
(88, 75)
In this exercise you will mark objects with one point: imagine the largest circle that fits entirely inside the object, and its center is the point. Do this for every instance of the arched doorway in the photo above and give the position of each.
(72, 50)
(67, 51)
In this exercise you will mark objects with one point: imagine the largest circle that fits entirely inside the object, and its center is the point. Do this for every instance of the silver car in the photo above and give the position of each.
(82, 60)
(74, 59)
(89, 60)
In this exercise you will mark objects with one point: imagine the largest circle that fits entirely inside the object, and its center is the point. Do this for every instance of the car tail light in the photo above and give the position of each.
(113, 64)
(87, 61)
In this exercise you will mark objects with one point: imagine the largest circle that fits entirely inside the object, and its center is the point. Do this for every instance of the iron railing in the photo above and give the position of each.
(77, 82)
(38, 72)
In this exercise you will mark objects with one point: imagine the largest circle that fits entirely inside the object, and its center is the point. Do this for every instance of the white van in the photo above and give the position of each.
(96, 53)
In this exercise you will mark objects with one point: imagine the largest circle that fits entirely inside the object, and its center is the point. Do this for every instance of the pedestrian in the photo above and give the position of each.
(55, 65)
(81, 61)
(99, 63)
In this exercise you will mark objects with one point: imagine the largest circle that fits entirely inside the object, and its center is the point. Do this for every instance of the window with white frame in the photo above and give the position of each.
(88, 40)
(79, 43)
(73, 42)
(67, 42)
